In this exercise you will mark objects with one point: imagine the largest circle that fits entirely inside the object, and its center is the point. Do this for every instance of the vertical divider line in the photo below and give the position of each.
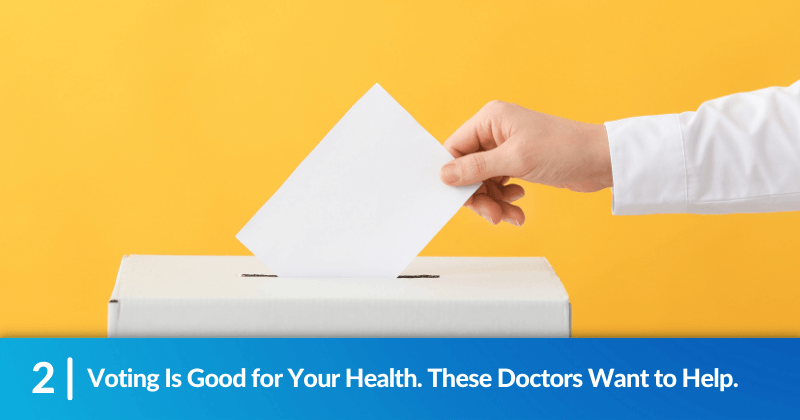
(69, 378)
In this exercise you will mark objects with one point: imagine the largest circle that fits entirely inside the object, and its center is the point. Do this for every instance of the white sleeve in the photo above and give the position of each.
(736, 154)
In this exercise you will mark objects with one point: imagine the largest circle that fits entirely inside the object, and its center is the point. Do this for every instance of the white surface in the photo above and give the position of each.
(204, 296)
(363, 203)
(736, 154)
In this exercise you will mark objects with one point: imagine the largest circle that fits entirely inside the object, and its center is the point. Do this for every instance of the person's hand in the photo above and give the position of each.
(505, 140)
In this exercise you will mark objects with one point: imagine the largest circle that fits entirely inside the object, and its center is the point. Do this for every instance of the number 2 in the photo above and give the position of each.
(39, 388)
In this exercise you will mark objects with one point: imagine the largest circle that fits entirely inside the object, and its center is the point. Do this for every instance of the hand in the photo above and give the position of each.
(505, 140)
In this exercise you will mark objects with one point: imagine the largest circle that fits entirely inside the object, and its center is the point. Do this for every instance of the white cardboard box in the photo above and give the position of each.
(207, 296)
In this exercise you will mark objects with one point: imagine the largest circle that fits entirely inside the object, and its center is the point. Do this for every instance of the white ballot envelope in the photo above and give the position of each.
(363, 203)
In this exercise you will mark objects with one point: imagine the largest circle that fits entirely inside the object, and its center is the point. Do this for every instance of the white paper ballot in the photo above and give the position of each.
(363, 203)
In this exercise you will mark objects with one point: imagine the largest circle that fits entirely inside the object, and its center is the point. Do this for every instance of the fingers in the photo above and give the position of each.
(492, 202)
(512, 214)
(488, 208)
(493, 191)
(478, 158)
(471, 137)
(481, 132)
(474, 168)
(476, 147)
(512, 193)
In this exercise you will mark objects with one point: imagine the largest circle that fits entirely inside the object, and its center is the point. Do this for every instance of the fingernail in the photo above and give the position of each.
(489, 219)
(449, 174)
(512, 221)
(517, 197)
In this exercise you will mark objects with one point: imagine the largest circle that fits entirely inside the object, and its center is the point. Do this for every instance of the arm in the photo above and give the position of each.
(739, 153)
(736, 154)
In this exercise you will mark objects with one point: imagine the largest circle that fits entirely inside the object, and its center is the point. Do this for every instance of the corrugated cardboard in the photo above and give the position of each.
(214, 296)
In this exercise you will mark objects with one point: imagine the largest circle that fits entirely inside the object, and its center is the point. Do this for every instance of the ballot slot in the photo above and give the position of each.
(415, 276)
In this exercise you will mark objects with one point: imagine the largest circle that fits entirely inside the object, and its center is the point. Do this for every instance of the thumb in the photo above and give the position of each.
(473, 168)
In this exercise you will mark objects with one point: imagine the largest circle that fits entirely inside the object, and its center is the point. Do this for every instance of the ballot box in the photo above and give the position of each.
(236, 296)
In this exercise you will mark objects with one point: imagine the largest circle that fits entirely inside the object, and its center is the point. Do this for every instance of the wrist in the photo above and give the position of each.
(600, 156)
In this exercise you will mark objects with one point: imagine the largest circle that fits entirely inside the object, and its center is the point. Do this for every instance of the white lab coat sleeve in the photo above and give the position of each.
(736, 154)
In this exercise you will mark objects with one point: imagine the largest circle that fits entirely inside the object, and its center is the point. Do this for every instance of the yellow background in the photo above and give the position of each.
(161, 127)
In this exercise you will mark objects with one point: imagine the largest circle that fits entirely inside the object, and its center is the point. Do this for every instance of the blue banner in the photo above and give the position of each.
(399, 378)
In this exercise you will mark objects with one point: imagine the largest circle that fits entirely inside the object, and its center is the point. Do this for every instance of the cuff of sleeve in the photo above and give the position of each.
(647, 165)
